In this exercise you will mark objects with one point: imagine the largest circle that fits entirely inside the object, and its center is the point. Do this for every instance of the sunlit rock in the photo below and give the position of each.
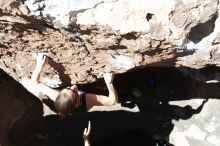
(82, 37)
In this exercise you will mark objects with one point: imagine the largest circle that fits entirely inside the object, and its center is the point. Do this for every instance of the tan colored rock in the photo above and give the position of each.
(109, 36)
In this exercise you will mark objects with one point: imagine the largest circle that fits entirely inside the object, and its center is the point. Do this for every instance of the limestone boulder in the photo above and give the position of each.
(83, 38)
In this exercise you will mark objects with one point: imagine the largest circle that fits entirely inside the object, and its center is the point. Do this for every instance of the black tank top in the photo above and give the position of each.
(82, 105)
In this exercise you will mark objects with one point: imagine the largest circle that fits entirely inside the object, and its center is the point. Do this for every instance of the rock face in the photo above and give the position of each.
(84, 39)
(188, 132)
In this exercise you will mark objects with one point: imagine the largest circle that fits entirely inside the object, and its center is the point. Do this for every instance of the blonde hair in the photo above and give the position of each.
(64, 104)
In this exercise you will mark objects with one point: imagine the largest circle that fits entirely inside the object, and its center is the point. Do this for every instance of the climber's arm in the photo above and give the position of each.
(39, 89)
(102, 100)
(34, 85)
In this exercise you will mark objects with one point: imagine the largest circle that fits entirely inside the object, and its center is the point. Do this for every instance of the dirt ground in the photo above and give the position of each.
(149, 90)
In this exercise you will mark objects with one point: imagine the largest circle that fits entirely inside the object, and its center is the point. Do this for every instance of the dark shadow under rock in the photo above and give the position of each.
(149, 89)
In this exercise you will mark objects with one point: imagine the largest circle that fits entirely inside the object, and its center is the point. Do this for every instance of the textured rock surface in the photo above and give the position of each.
(190, 133)
(204, 39)
(85, 38)
(102, 35)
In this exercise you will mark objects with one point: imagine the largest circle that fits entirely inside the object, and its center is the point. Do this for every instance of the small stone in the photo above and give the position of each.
(23, 9)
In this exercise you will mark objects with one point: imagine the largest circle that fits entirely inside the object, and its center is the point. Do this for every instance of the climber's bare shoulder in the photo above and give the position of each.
(40, 90)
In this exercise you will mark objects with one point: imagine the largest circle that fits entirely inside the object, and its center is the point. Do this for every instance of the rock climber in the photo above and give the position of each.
(69, 99)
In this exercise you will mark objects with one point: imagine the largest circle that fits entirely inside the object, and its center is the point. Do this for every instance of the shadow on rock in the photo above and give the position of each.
(149, 89)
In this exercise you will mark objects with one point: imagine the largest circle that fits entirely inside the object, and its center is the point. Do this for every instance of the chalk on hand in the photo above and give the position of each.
(40, 54)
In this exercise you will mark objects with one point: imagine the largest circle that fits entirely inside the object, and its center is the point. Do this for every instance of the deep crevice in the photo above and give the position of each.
(130, 36)
(202, 30)
(149, 16)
